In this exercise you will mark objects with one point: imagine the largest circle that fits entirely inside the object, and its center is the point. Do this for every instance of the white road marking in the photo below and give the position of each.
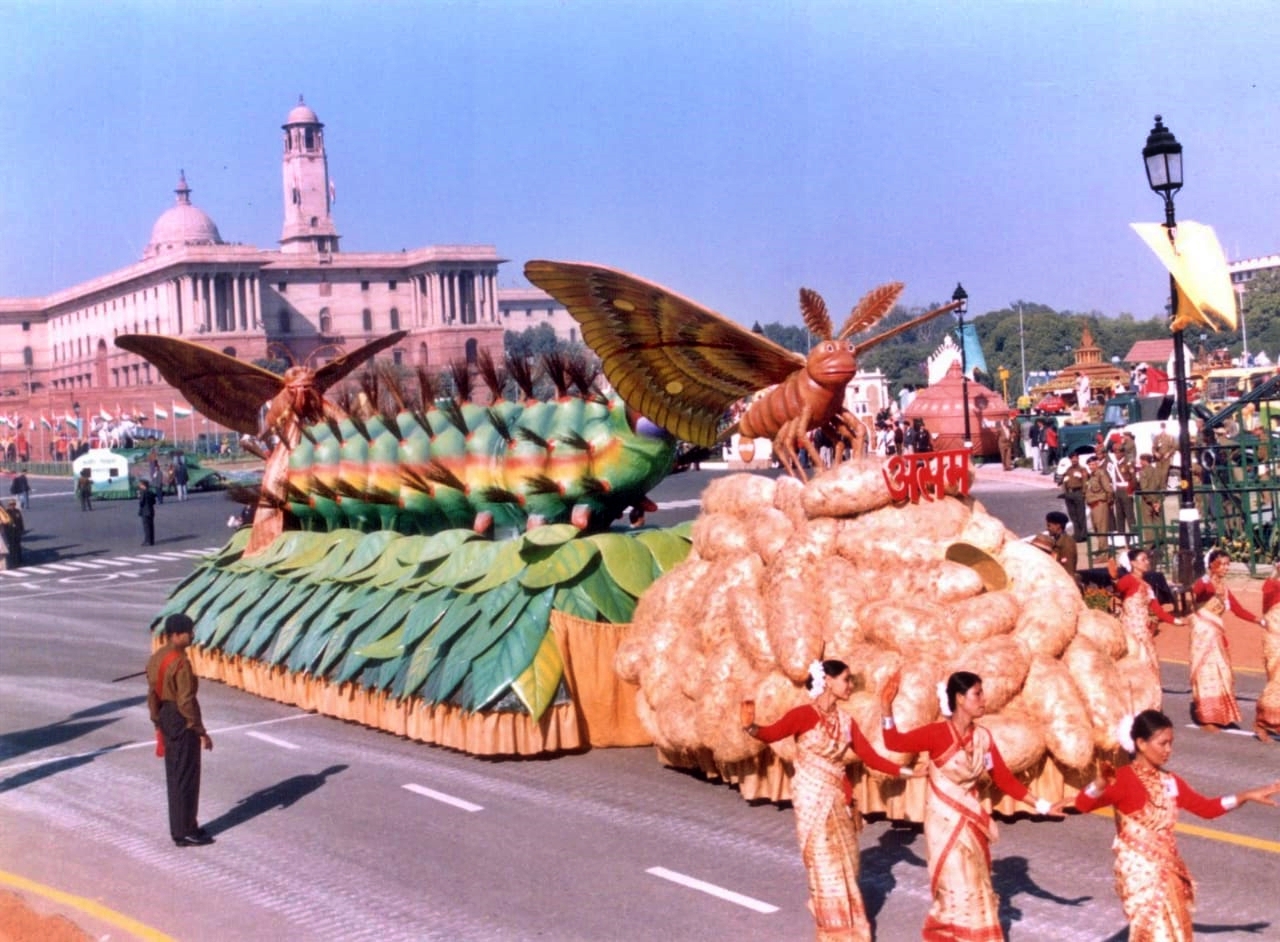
(271, 739)
(678, 504)
(1233, 732)
(21, 573)
(713, 890)
(59, 567)
(85, 565)
(441, 796)
(181, 556)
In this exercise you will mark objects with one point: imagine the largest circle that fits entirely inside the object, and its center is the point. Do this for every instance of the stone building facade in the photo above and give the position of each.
(305, 301)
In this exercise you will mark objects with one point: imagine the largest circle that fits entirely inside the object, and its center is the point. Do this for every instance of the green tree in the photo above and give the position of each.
(535, 341)
(1262, 313)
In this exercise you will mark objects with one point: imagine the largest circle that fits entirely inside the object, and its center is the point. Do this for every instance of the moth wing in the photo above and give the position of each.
(228, 391)
(339, 367)
(670, 359)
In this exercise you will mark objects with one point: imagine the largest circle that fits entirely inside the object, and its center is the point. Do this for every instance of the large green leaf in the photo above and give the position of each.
(506, 565)
(463, 610)
(493, 672)
(386, 621)
(257, 621)
(668, 549)
(294, 551)
(304, 628)
(468, 563)
(345, 626)
(615, 605)
(553, 534)
(562, 566)
(419, 663)
(232, 549)
(684, 530)
(536, 686)
(317, 628)
(427, 612)
(628, 562)
(390, 646)
(482, 634)
(269, 630)
(441, 545)
(572, 600)
(366, 554)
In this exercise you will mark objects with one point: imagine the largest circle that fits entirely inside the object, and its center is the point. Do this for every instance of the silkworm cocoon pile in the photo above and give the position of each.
(783, 573)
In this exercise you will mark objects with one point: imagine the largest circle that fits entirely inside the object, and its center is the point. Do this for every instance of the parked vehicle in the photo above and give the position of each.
(1051, 404)
(198, 478)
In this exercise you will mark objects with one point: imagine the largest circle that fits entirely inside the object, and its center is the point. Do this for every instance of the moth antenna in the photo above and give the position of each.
(500, 424)
(555, 365)
(814, 312)
(495, 377)
(874, 305)
(521, 372)
(452, 411)
(460, 373)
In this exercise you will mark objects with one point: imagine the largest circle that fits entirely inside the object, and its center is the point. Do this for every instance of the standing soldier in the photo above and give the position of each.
(1098, 494)
(175, 713)
(1163, 448)
(147, 511)
(1073, 483)
(1151, 486)
(1035, 438)
(1124, 481)
(1004, 436)
(1065, 549)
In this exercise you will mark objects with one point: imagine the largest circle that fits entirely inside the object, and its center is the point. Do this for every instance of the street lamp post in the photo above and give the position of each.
(961, 297)
(1163, 157)
(1022, 350)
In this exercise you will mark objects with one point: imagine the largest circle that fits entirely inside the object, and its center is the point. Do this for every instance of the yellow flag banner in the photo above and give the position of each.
(1198, 265)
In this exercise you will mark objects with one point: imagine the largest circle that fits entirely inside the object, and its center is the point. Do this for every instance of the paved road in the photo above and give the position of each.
(329, 830)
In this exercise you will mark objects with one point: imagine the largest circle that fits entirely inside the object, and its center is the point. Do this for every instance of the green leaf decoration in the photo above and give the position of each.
(562, 566)
(426, 614)
(553, 534)
(482, 635)
(505, 566)
(668, 549)
(413, 678)
(442, 545)
(390, 646)
(462, 612)
(233, 549)
(492, 672)
(367, 552)
(312, 630)
(409, 550)
(346, 625)
(468, 563)
(684, 530)
(628, 562)
(536, 686)
(294, 550)
(572, 600)
(258, 618)
(614, 604)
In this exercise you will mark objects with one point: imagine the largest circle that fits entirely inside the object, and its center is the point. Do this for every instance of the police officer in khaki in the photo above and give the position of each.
(1073, 481)
(1098, 494)
(175, 713)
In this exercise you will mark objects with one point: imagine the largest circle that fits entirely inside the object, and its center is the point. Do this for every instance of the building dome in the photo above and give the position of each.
(301, 114)
(181, 225)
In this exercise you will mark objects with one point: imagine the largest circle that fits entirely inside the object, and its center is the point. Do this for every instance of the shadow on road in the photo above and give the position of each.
(281, 795)
(1011, 876)
(55, 734)
(878, 881)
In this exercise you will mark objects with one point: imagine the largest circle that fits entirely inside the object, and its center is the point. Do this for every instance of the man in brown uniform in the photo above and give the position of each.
(1151, 504)
(175, 712)
(1064, 547)
(1163, 447)
(1073, 482)
(1098, 493)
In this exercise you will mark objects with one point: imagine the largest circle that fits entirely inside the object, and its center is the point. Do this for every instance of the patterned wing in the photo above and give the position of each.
(337, 368)
(670, 359)
(228, 391)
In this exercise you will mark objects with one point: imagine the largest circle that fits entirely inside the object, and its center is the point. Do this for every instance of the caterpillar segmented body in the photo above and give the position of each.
(584, 460)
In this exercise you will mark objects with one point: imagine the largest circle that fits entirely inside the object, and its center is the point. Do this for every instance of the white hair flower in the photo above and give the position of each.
(817, 679)
(943, 706)
(1124, 733)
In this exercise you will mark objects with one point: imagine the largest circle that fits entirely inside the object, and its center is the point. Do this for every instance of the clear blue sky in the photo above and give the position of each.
(733, 151)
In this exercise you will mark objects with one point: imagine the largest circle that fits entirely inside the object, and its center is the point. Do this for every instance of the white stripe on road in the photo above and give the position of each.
(680, 504)
(130, 560)
(1234, 732)
(713, 890)
(181, 556)
(271, 739)
(21, 573)
(441, 796)
(85, 565)
(59, 567)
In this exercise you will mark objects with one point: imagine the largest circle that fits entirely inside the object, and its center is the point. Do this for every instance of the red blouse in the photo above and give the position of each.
(937, 740)
(1128, 584)
(1128, 795)
(804, 718)
(1203, 590)
(1270, 594)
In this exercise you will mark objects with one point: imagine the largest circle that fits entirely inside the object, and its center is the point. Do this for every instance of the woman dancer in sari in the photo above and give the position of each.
(1213, 686)
(1139, 603)
(1267, 719)
(1155, 888)
(958, 831)
(821, 793)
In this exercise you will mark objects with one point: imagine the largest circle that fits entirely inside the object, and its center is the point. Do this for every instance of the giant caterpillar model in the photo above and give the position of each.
(582, 458)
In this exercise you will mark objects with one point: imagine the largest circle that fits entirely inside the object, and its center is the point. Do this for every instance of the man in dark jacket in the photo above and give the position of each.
(147, 511)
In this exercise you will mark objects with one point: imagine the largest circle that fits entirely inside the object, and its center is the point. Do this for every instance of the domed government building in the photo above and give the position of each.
(305, 300)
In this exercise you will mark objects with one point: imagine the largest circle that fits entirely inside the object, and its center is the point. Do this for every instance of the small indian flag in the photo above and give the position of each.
(159, 413)
(69, 419)
(45, 422)
(4, 420)
(104, 414)
(181, 412)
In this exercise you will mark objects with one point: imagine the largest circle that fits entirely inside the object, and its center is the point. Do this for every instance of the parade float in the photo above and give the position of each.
(446, 569)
